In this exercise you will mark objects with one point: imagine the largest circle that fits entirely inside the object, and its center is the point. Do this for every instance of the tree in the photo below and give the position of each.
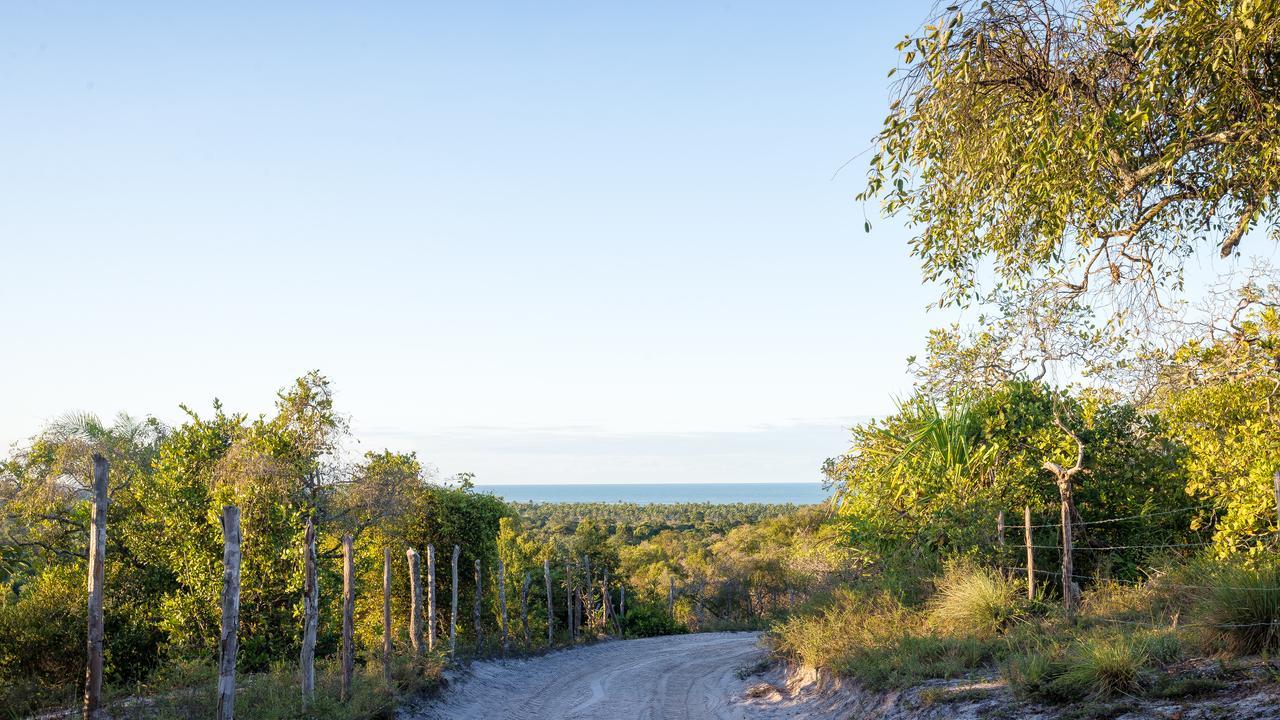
(1095, 143)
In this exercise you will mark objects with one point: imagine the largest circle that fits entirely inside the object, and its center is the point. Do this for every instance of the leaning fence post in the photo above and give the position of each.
(1031, 553)
(502, 602)
(229, 643)
(386, 615)
(453, 605)
(431, 596)
(310, 614)
(348, 616)
(415, 601)
(97, 552)
(551, 618)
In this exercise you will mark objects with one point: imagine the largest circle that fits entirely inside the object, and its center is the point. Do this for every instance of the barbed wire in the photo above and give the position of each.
(1114, 547)
(1144, 583)
(1126, 517)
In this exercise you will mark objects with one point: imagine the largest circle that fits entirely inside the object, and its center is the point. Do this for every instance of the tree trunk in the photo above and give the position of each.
(431, 597)
(671, 596)
(551, 618)
(386, 615)
(96, 637)
(1000, 529)
(453, 605)
(415, 601)
(310, 614)
(1068, 572)
(229, 643)
(348, 616)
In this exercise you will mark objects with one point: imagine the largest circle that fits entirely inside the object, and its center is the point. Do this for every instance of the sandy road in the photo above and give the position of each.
(663, 678)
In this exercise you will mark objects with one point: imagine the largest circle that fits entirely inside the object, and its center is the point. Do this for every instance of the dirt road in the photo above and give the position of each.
(664, 678)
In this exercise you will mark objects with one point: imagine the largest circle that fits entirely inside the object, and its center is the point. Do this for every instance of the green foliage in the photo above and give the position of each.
(1119, 136)
(647, 619)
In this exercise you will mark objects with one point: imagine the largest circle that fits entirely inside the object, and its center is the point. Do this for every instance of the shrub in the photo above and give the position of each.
(911, 659)
(42, 642)
(1242, 610)
(650, 619)
(1092, 668)
(976, 601)
(850, 621)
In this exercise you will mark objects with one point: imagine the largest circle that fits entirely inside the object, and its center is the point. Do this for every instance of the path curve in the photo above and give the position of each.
(677, 677)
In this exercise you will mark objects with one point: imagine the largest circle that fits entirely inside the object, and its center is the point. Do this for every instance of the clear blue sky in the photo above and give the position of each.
(542, 242)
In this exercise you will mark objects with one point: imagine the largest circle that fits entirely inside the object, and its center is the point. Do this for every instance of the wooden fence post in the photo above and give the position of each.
(622, 600)
(1068, 572)
(1000, 529)
(1276, 479)
(348, 616)
(551, 618)
(1031, 553)
(96, 636)
(568, 602)
(431, 596)
(524, 606)
(229, 643)
(453, 605)
(310, 614)
(479, 598)
(671, 596)
(415, 601)
(502, 603)
(588, 608)
(386, 615)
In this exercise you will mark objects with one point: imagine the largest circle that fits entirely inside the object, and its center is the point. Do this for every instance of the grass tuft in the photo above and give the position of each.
(977, 601)
(1242, 610)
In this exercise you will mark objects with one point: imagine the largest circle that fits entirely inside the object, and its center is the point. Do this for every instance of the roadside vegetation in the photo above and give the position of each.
(1059, 162)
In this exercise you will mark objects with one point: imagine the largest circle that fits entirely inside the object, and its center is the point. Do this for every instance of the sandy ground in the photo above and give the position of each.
(663, 678)
(725, 676)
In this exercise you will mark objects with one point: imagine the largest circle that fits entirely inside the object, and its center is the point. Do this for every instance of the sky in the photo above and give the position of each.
(540, 242)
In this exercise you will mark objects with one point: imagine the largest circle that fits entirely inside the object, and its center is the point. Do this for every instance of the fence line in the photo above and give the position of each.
(1129, 517)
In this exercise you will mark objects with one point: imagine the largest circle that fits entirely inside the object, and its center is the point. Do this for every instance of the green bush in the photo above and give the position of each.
(650, 619)
(42, 642)
(1242, 611)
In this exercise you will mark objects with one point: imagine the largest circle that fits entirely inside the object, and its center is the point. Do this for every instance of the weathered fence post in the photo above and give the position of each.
(551, 618)
(386, 615)
(229, 643)
(1276, 479)
(97, 554)
(431, 596)
(569, 603)
(588, 592)
(415, 601)
(1068, 594)
(671, 596)
(453, 605)
(348, 616)
(1000, 529)
(479, 598)
(524, 606)
(1031, 553)
(502, 603)
(310, 614)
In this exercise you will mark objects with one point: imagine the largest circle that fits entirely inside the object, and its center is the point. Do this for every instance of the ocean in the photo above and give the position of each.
(720, 493)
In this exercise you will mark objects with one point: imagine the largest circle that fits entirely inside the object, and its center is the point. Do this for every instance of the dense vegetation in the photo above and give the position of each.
(1059, 161)
(164, 551)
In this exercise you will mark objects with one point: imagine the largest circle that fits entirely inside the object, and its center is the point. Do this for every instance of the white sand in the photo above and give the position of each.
(680, 676)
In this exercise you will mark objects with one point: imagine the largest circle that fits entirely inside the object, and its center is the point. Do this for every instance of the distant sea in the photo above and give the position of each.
(796, 493)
